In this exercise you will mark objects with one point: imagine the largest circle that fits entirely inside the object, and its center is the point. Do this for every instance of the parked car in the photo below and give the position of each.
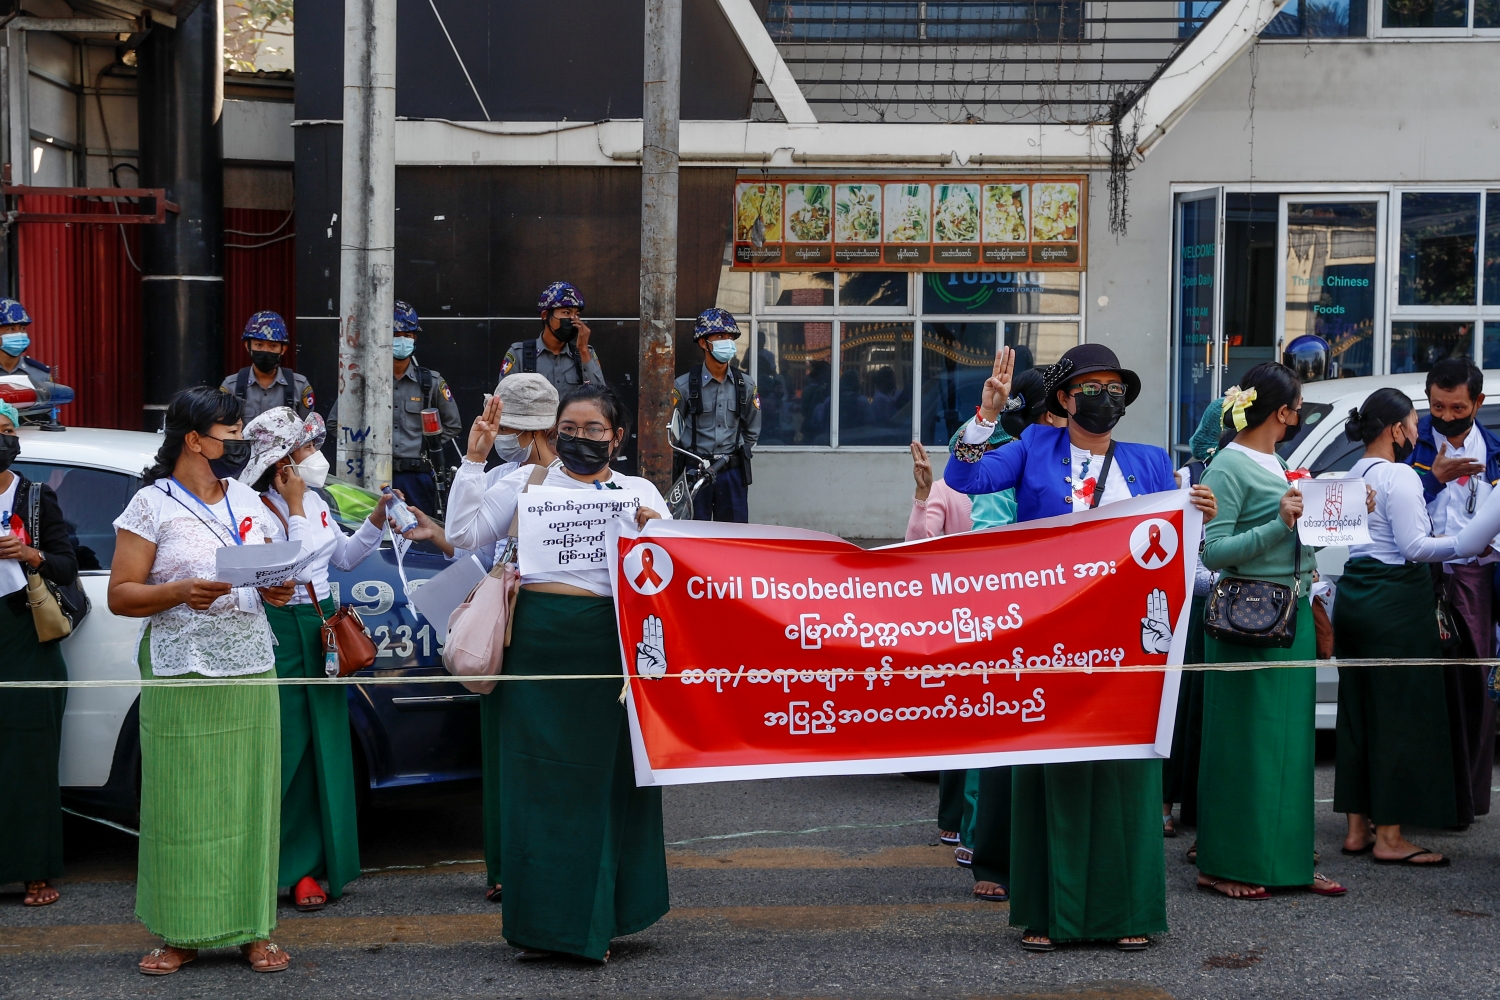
(403, 734)
(1321, 447)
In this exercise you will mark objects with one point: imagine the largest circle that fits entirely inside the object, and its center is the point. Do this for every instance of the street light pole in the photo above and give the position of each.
(367, 245)
(659, 161)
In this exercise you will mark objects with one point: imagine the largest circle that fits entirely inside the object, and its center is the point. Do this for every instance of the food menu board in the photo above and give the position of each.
(929, 223)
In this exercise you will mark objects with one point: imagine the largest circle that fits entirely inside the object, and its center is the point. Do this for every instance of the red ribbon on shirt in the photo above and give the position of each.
(18, 528)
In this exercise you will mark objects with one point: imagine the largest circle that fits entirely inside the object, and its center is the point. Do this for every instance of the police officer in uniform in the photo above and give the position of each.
(561, 354)
(266, 383)
(14, 340)
(721, 414)
(414, 389)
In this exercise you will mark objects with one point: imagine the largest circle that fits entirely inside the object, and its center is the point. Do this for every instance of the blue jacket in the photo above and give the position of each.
(1039, 467)
(1425, 451)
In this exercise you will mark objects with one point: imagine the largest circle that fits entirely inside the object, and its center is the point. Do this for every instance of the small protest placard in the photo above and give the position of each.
(1333, 512)
(258, 565)
(563, 530)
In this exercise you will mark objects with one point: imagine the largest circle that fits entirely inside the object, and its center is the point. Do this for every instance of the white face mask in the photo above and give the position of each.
(314, 470)
(508, 448)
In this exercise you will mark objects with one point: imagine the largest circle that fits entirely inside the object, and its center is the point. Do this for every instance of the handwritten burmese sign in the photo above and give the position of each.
(926, 223)
(1333, 512)
(753, 651)
(564, 530)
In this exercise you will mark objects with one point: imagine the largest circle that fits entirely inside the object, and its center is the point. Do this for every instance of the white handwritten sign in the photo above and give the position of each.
(564, 530)
(1333, 512)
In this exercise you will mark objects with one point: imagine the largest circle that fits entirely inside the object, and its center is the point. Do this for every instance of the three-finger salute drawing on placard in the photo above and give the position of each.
(651, 651)
(1156, 627)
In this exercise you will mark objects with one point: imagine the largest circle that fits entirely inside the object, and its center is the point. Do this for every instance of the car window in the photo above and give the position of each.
(1489, 416)
(1312, 414)
(1339, 455)
(90, 499)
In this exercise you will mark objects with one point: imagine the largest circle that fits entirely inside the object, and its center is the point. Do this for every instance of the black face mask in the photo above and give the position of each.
(266, 361)
(1098, 414)
(1403, 450)
(230, 464)
(1453, 428)
(566, 331)
(10, 450)
(583, 456)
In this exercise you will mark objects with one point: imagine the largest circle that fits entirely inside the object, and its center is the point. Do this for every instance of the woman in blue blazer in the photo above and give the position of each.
(1086, 837)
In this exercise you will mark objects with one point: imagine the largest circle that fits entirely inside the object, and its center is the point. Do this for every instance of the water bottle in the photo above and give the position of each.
(402, 519)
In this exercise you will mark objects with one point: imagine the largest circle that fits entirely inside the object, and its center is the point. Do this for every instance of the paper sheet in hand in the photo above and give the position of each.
(439, 595)
(563, 530)
(1333, 512)
(255, 565)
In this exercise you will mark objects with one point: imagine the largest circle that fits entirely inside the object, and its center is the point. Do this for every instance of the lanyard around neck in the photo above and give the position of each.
(233, 531)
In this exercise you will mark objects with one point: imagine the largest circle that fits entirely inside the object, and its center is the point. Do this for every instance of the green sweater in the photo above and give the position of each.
(1248, 538)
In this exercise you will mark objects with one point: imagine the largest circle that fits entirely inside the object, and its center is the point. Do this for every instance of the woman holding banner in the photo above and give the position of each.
(581, 845)
(1255, 779)
(1086, 838)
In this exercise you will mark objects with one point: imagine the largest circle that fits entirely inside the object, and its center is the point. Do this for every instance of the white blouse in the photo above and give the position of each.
(1400, 529)
(318, 532)
(480, 516)
(485, 553)
(231, 638)
(12, 576)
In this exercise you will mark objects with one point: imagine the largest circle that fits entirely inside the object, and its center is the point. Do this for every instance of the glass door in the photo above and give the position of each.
(1332, 254)
(1196, 344)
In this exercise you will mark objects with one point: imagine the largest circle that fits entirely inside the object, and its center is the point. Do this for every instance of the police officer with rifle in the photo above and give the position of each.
(720, 409)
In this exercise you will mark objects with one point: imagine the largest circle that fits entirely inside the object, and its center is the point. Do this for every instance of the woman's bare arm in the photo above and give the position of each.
(132, 597)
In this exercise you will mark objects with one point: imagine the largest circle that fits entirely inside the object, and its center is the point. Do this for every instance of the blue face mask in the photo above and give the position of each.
(723, 350)
(15, 344)
(402, 347)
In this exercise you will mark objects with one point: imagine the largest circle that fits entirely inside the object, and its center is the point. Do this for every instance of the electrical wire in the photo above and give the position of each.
(433, 4)
(241, 232)
(257, 246)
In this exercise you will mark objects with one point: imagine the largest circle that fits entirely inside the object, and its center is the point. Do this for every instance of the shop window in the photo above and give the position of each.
(1492, 246)
(875, 290)
(1487, 13)
(1424, 13)
(1007, 293)
(1417, 346)
(956, 360)
(795, 379)
(1439, 246)
(798, 289)
(1331, 281)
(1491, 346)
(875, 391)
(1039, 344)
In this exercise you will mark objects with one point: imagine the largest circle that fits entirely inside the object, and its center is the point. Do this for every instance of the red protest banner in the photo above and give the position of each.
(755, 651)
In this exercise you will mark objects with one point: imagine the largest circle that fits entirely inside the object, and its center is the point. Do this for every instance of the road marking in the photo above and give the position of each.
(447, 930)
(920, 856)
(799, 833)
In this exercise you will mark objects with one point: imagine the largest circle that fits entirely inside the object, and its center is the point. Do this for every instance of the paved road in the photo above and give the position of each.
(829, 887)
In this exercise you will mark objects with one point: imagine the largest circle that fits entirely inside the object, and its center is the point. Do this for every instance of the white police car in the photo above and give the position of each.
(403, 734)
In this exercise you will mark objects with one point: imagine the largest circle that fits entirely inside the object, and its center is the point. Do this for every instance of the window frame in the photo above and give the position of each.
(1477, 313)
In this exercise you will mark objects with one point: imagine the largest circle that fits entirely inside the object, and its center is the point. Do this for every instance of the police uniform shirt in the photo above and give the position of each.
(258, 400)
(559, 369)
(720, 430)
(406, 411)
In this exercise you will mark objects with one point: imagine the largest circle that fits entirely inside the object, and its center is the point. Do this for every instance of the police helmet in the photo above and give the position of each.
(558, 295)
(406, 319)
(12, 313)
(266, 325)
(715, 320)
(1308, 356)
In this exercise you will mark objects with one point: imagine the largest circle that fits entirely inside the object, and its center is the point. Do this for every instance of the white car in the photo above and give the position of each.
(403, 734)
(1322, 449)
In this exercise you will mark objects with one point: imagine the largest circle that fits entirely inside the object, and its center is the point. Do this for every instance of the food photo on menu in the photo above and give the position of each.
(1005, 213)
(957, 217)
(857, 213)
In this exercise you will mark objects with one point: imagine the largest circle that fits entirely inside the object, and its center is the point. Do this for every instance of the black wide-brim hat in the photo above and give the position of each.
(1083, 360)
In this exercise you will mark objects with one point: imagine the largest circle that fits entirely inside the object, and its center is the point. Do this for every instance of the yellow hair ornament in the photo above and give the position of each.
(1236, 402)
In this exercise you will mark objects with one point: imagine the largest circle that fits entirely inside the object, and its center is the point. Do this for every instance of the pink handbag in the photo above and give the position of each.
(479, 628)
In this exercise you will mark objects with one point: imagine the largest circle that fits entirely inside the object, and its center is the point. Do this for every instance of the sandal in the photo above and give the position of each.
(263, 956)
(34, 891)
(308, 895)
(1408, 862)
(1168, 825)
(1002, 895)
(1212, 885)
(1322, 885)
(949, 837)
(1192, 852)
(534, 955)
(1132, 944)
(963, 857)
(182, 955)
(1037, 942)
(492, 894)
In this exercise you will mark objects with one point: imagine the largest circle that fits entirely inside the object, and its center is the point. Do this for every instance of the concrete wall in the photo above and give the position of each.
(1339, 112)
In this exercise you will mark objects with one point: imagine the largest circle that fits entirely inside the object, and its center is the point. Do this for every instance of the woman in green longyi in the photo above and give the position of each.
(1255, 779)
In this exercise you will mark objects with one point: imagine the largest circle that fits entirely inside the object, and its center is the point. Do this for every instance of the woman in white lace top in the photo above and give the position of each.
(211, 754)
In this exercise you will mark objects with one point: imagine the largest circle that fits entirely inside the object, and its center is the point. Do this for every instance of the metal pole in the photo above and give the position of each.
(662, 107)
(367, 245)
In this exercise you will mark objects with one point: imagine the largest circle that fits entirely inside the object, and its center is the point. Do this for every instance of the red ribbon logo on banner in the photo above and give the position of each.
(648, 577)
(1155, 552)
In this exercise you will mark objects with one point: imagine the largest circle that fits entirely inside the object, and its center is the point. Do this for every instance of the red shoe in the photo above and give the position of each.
(308, 895)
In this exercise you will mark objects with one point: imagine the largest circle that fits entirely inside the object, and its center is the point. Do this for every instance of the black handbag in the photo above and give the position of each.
(1255, 612)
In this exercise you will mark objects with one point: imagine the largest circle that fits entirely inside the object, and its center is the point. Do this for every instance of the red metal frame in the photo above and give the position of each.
(163, 206)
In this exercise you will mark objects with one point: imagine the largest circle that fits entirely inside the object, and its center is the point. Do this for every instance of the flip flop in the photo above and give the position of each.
(1409, 863)
(1363, 850)
(1322, 885)
(963, 857)
(944, 837)
(1003, 896)
(1028, 945)
(1168, 827)
(492, 894)
(1124, 945)
(157, 953)
(1213, 888)
(306, 890)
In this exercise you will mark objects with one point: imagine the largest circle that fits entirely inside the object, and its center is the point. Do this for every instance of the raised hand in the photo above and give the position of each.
(921, 470)
(997, 386)
(651, 651)
(482, 432)
(1156, 627)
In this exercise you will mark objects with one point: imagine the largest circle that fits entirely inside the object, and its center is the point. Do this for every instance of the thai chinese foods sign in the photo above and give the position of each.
(962, 223)
(752, 651)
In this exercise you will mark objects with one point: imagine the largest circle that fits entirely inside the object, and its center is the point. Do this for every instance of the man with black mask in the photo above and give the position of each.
(266, 383)
(561, 354)
(1458, 459)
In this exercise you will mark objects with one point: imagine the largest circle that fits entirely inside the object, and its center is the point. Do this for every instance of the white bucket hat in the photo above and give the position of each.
(529, 401)
(273, 435)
